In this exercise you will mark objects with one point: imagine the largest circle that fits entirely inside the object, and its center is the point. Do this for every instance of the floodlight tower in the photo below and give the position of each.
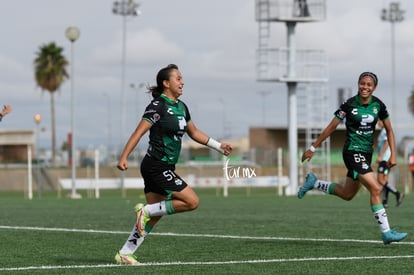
(289, 65)
(124, 8)
(72, 34)
(393, 15)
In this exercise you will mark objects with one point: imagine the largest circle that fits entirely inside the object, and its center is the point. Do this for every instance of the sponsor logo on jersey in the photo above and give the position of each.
(150, 111)
(367, 119)
(181, 122)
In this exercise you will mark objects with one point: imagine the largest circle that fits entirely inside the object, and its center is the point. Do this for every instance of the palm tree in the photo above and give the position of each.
(50, 72)
(411, 102)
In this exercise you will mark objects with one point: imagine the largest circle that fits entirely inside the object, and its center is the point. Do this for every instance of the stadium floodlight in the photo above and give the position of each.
(393, 15)
(125, 9)
(72, 34)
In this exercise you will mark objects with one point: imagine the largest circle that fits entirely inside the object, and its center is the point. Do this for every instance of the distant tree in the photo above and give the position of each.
(50, 72)
(411, 102)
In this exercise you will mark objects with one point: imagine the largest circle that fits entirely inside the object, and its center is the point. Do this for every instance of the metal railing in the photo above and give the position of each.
(310, 66)
(291, 10)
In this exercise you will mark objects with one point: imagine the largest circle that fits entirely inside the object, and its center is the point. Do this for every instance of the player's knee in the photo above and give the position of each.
(348, 196)
(345, 194)
(376, 190)
(193, 203)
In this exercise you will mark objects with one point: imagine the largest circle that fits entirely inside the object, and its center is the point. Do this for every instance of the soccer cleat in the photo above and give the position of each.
(400, 197)
(392, 236)
(310, 182)
(142, 219)
(126, 259)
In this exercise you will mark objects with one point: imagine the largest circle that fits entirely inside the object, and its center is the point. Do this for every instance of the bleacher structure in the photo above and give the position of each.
(313, 116)
(305, 73)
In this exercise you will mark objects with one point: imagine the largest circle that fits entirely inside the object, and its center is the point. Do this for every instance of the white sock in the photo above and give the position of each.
(156, 209)
(322, 185)
(382, 220)
(133, 242)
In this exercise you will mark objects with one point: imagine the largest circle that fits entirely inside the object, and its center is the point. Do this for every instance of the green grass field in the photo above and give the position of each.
(245, 233)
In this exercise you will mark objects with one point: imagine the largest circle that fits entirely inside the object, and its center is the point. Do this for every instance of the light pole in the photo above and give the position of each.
(393, 14)
(224, 119)
(125, 9)
(264, 94)
(37, 119)
(73, 33)
(109, 125)
(137, 89)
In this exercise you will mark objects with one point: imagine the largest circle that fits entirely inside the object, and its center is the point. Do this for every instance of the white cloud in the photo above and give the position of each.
(213, 42)
(147, 46)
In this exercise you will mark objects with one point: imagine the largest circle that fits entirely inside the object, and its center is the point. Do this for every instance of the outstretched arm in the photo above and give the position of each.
(136, 136)
(200, 137)
(308, 154)
(381, 154)
(391, 143)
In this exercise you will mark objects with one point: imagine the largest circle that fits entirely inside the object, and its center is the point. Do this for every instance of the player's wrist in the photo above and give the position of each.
(312, 149)
(214, 144)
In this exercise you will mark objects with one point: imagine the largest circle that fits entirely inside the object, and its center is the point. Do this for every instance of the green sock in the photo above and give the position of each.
(331, 189)
(169, 207)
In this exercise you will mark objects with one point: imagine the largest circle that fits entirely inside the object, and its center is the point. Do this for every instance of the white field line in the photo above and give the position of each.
(194, 235)
(199, 263)
(207, 263)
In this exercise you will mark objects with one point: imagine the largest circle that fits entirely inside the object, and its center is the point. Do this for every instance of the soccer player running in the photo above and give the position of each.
(361, 113)
(167, 119)
(384, 153)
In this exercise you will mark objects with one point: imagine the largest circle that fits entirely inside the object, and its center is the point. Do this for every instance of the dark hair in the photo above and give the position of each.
(372, 75)
(163, 74)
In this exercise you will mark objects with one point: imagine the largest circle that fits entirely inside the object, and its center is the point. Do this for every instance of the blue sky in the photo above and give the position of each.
(213, 43)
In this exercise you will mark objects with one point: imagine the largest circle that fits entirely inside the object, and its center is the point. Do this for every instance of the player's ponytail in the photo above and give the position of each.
(163, 74)
(155, 91)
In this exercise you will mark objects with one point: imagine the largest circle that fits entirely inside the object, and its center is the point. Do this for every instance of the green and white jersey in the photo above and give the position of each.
(360, 122)
(169, 123)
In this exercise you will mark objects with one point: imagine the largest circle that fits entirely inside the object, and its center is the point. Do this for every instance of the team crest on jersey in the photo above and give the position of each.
(178, 182)
(342, 114)
(155, 117)
(375, 110)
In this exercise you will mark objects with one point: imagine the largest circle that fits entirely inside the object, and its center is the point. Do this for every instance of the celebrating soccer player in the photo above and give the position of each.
(361, 113)
(167, 119)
